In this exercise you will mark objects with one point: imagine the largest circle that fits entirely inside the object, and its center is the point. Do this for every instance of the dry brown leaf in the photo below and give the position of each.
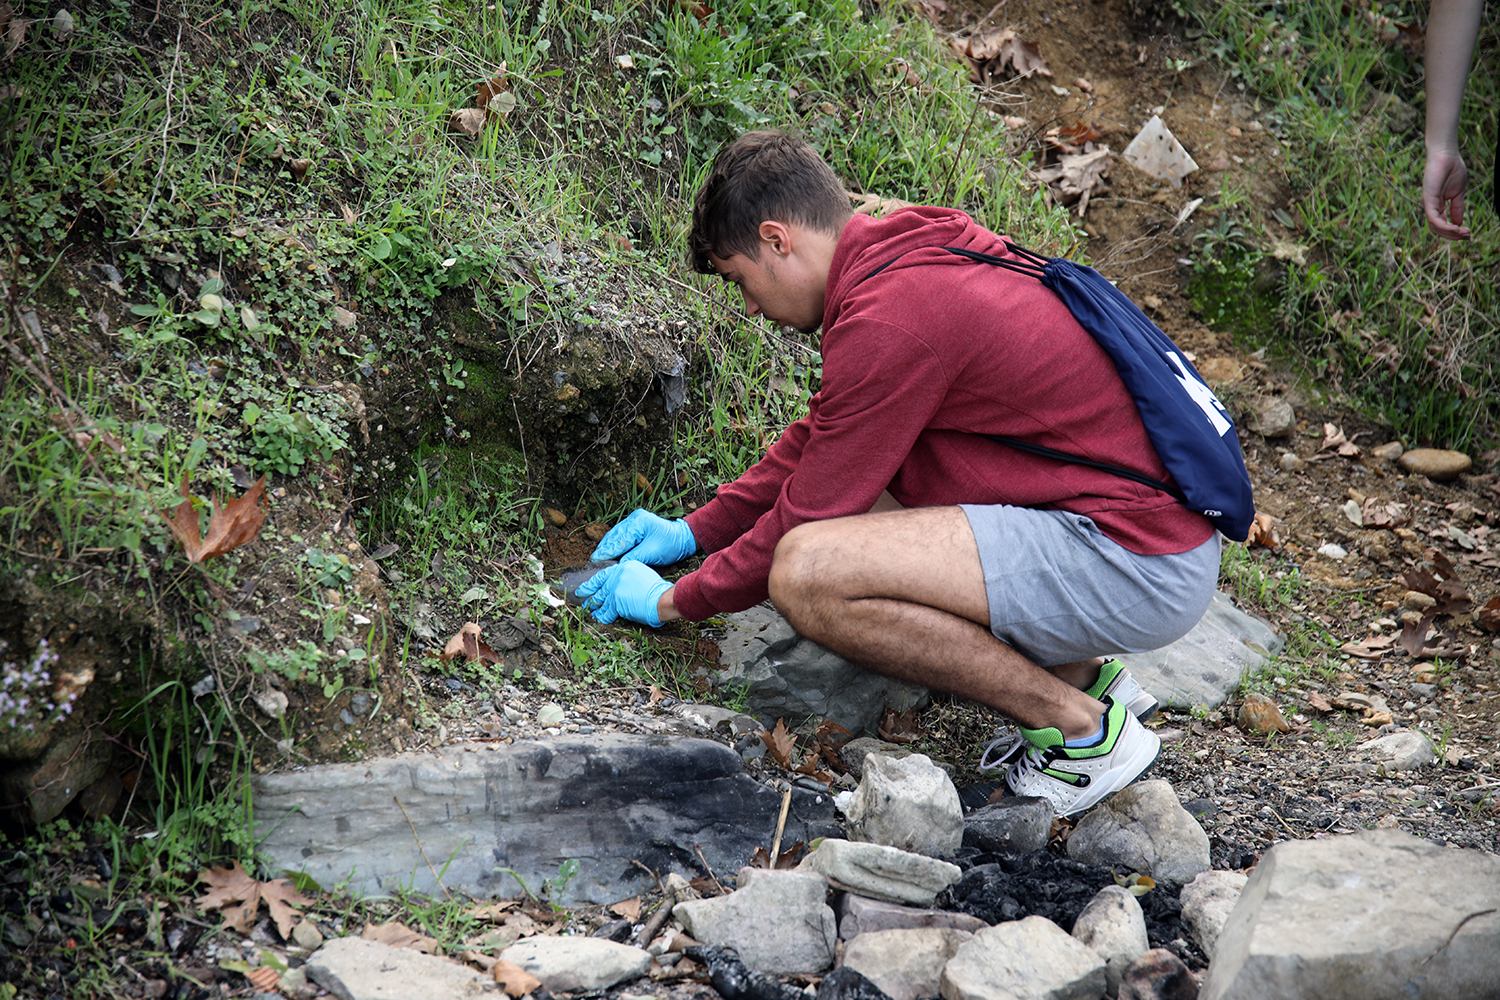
(1262, 531)
(697, 8)
(494, 911)
(399, 936)
(873, 204)
(234, 885)
(1076, 176)
(513, 979)
(1438, 579)
(1333, 437)
(466, 643)
(786, 860)
(230, 526)
(1382, 514)
(899, 727)
(1318, 703)
(1372, 648)
(1489, 615)
(779, 744)
(630, 908)
(933, 10)
(466, 121)
(15, 35)
(990, 53)
(490, 88)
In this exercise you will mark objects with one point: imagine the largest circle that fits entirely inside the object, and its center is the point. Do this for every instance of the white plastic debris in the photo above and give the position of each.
(1156, 152)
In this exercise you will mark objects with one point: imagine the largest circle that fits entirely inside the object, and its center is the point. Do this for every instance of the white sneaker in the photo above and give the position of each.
(1075, 778)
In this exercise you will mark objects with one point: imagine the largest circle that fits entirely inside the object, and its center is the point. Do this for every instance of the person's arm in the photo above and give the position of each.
(1452, 27)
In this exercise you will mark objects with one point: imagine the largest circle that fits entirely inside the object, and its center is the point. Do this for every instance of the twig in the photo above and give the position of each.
(641, 865)
(655, 922)
(706, 867)
(993, 11)
(438, 878)
(786, 801)
(165, 129)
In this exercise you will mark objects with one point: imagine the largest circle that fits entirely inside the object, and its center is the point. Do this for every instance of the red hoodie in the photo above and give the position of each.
(918, 361)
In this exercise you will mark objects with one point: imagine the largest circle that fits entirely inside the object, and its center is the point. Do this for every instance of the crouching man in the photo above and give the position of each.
(886, 526)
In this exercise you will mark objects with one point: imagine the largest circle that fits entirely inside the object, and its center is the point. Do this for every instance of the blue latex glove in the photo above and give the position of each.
(625, 590)
(646, 538)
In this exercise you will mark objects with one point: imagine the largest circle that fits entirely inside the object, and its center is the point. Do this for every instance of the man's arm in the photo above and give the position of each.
(1452, 28)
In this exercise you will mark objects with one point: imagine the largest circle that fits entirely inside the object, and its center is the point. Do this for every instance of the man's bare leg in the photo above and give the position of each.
(902, 592)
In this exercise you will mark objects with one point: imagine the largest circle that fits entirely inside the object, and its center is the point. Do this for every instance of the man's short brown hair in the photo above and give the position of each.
(758, 177)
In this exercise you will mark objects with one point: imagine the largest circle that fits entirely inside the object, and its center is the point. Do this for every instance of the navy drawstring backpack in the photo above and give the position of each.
(1190, 429)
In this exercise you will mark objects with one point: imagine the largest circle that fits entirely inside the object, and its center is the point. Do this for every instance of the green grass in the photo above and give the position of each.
(1399, 319)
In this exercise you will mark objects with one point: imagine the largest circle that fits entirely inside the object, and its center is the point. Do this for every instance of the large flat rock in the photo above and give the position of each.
(478, 812)
(1205, 666)
(1377, 914)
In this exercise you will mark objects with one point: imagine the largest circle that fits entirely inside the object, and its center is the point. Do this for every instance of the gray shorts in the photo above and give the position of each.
(1061, 591)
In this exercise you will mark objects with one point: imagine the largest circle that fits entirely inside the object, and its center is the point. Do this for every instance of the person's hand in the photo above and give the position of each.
(646, 538)
(1443, 184)
(625, 590)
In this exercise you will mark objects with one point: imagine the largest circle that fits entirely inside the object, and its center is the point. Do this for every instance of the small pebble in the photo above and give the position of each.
(1333, 551)
(1291, 463)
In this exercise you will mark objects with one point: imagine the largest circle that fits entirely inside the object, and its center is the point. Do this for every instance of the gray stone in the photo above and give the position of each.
(906, 964)
(1159, 975)
(1145, 829)
(1291, 463)
(779, 921)
(355, 969)
(1406, 750)
(863, 915)
(785, 676)
(1114, 925)
(1376, 914)
(854, 752)
(484, 811)
(1206, 904)
(1388, 452)
(1205, 666)
(305, 934)
(1027, 959)
(908, 803)
(1273, 417)
(880, 871)
(570, 964)
(1435, 463)
(720, 720)
(1013, 826)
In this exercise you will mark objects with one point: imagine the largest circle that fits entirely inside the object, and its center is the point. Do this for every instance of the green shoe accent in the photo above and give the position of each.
(1111, 669)
(1050, 743)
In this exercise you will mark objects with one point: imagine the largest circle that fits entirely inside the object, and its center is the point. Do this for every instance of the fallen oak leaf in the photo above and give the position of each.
(230, 526)
(779, 744)
(466, 643)
(1489, 615)
(235, 885)
(899, 727)
(513, 979)
(1262, 532)
(398, 935)
(630, 908)
(466, 121)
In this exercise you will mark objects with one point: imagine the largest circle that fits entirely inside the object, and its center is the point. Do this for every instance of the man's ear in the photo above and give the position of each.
(777, 236)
